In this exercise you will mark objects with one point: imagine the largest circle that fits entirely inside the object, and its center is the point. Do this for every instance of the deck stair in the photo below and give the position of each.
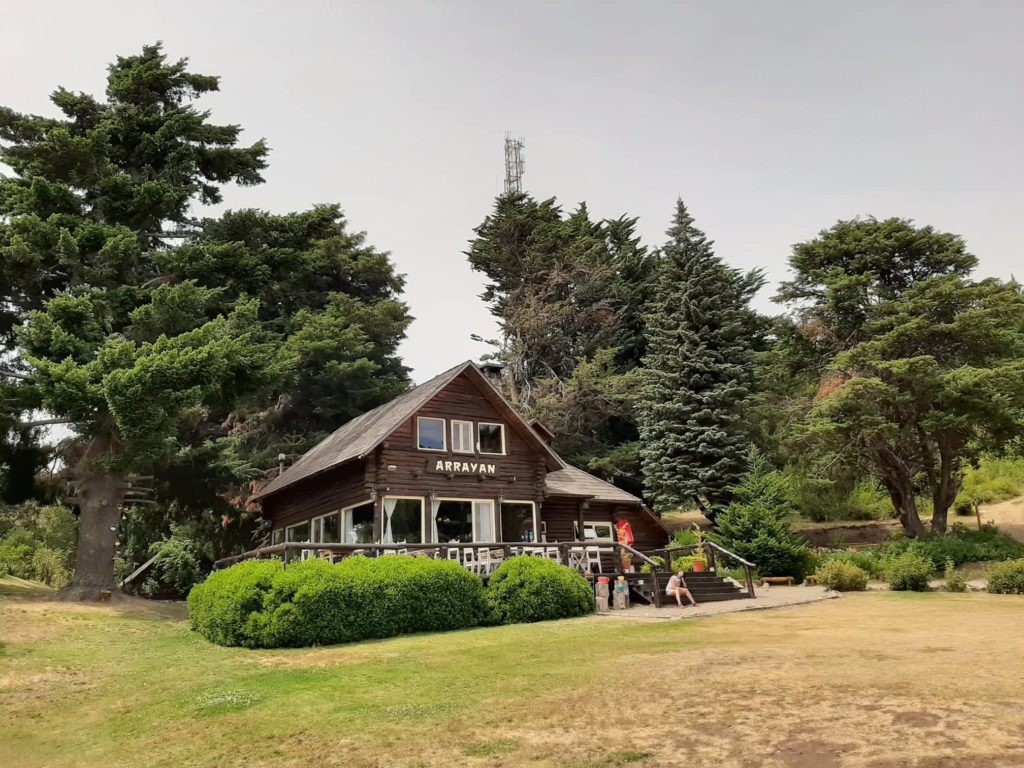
(705, 587)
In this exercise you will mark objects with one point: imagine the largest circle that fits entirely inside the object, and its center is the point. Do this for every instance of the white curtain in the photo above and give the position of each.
(484, 511)
(435, 505)
(389, 509)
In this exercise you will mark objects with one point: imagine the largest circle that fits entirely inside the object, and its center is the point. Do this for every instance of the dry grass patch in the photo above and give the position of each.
(872, 680)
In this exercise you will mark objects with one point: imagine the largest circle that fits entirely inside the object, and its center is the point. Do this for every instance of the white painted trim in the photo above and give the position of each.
(504, 449)
(472, 436)
(594, 524)
(444, 433)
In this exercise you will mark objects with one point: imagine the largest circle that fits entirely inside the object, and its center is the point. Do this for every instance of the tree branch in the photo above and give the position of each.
(13, 375)
(42, 423)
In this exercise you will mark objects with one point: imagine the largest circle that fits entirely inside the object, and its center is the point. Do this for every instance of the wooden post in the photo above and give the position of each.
(563, 554)
(750, 582)
(579, 519)
(657, 588)
(378, 519)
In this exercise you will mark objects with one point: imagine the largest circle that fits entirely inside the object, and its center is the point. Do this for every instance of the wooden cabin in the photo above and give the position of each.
(448, 462)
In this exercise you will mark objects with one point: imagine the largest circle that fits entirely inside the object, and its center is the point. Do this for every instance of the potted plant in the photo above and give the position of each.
(699, 560)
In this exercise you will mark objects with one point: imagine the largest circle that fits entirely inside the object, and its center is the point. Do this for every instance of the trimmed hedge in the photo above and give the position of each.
(527, 589)
(263, 604)
(1007, 578)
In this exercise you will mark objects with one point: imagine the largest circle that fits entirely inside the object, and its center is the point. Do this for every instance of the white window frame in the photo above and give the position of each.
(344, 524)
(592, 524)
(297, 525)
(313, 528)
(472, 515)
(444, 435)
(424, 511)
(535, 517)
(471, 448)
(490, 424)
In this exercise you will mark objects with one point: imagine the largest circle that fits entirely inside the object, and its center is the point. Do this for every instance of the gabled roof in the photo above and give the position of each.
(573, 481)
(359, 437)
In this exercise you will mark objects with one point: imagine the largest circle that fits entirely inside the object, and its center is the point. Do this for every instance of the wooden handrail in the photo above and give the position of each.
(733, 555)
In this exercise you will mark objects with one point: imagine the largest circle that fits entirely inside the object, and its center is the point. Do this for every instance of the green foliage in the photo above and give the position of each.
(37, 543)
(685, 537)
(527, 589)
(762, 535)
(266, 605)
(954, 581)
(180, 563)
(866, 559)
(961, 545)
(842, 576)
(993, 480)
(226, 607)
(1007, 578)
(698, 373)
(50, 567)
(659, 564)
(16, 550)
(909, 571)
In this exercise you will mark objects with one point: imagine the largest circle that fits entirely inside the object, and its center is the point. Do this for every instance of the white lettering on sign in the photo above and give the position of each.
(465, 467)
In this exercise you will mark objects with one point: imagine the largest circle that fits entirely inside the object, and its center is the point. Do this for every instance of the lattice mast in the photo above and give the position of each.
(515, 162)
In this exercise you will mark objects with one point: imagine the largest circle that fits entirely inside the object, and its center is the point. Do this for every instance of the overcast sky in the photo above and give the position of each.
(772, 120)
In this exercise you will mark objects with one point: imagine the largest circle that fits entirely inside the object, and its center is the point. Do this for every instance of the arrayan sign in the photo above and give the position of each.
(464, 467)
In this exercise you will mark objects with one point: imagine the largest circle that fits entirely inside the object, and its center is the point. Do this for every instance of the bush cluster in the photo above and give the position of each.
(909, 572)
(961, 545)
(954, 581)
(38, 543)
(263, 604)
(1007, 578)
(842, 576)
(527, 589)
(179, 565)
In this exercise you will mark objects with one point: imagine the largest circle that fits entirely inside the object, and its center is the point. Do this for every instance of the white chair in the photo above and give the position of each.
(594, 559)
(578, 557)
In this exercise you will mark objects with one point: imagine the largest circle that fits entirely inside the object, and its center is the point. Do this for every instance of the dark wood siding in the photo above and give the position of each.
(318, 495)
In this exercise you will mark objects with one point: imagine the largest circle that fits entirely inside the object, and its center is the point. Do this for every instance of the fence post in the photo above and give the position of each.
(750, 581)
(657, 587)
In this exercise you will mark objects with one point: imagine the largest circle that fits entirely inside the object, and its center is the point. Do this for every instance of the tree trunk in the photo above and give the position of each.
(945, 491)
(99, 500)
(901, 491)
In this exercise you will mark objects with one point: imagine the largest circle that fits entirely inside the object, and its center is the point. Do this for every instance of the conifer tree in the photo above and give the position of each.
(698, 373)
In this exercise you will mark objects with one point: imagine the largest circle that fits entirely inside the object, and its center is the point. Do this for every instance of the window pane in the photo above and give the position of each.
(359, 524)
(454, 522)
(597, 531)
(277, 536)
(298, 532)
(462, 436)
(431, 434)
(517, 522)
(490, 437)
(407, 521)
(327, 529)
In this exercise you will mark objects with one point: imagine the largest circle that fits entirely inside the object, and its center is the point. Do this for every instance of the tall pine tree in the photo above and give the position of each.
(698, 373)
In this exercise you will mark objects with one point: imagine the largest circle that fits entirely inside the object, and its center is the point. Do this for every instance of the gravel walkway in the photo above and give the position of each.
(770, 597)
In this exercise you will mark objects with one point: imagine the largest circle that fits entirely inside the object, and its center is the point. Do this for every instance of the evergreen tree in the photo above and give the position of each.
(698, 373)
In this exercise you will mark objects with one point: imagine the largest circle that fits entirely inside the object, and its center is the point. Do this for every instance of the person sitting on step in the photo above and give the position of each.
(677, 588)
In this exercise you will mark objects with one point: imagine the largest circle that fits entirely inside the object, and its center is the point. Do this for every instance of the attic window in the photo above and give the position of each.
(490, 438)
(430, 434)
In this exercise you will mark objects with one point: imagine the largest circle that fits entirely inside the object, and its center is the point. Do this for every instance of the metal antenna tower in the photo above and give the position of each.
(515, 162)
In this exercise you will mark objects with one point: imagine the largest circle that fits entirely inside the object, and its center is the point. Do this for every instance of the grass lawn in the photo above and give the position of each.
(879, 680)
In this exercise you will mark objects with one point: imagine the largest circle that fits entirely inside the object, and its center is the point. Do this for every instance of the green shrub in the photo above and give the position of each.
(526, 589)
(225, 607)
(1007, 578)
(48, 566)
(685, 538)
(179, 564)
(954, 581)
(761, 535)
(842, 576)
(995, 480)
(16, 550)
(316, 603)
(961, 545)
(263, 604)
(909, 572)
(963, 507)
(659, 563)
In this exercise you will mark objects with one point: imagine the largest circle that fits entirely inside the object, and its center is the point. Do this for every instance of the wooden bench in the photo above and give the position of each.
(782, 581)
(811, 580)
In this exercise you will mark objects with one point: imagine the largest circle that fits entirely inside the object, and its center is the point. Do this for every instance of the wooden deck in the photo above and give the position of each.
(592, 559)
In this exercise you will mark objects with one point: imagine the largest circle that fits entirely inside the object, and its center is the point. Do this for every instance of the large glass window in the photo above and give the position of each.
(326, 529)
(490, 437)
(403, 521)
(462, 437)
(430, 434)
(517, 521)
(454, 521)
(357, 523)
(277, 536)
(298, 532)
(594, 531)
